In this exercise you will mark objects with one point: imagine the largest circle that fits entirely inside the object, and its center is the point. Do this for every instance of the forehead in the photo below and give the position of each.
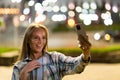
(39, 30)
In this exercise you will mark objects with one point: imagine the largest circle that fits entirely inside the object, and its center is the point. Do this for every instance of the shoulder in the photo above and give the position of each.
(55, 53)
(20, 64)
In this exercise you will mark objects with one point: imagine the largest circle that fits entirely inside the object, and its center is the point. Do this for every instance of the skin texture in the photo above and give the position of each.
(85, 45)
(37, 42)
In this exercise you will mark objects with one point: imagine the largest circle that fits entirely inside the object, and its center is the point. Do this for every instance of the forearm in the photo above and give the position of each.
(81, 64)
(86, 55)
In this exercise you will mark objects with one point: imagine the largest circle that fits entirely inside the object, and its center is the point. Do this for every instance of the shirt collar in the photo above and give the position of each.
(28, 59)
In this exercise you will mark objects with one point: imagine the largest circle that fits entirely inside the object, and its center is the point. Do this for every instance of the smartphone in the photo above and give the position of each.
(82, 36)
(80, 30)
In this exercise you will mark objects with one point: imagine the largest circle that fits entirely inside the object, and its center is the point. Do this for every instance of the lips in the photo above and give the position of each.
(38, 45)
(38, 48)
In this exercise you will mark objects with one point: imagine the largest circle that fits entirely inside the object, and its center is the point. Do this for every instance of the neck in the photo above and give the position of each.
(36, 55)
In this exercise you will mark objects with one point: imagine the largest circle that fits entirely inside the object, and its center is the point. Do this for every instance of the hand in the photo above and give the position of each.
(85, 45)
(27, 68)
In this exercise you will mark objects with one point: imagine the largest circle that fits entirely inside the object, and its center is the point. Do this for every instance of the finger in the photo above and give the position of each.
(84, 48)
(33, 64)
(84, 41)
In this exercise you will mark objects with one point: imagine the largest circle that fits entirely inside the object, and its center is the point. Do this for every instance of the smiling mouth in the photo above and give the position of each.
(38, 45)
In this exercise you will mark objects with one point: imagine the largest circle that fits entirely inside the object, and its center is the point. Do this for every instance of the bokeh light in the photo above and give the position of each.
(107, 37)
(87, 22)
(107, 6)
(26, 11)
(71, 5)
(38, 6)
(56, 8)
(115, 9)
(85, 11)
(22, 17)
(71, 13)
(78, 9)
(63, 9)
(48, 9)
(106, 15)
(97, 36)
(85, 5)
(71, 22)
(93, 5)
(31, 2)
(59, 17)
(108, 22)
(40, 18)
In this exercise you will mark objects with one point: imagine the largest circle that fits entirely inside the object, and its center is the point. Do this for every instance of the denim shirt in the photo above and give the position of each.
(55, 65)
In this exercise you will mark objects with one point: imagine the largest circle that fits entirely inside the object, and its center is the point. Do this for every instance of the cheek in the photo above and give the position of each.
(45, 42)
(32, 45)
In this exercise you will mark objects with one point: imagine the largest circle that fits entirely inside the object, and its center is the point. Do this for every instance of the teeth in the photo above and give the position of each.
(38, 45)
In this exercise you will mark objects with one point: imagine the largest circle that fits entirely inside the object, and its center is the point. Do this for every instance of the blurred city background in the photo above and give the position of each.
(100, 16)
(101, 19)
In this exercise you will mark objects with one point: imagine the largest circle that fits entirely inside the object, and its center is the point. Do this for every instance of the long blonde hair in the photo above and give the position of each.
(25, 46)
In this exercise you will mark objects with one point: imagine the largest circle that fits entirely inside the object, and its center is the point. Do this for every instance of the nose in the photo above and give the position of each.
(39, 40)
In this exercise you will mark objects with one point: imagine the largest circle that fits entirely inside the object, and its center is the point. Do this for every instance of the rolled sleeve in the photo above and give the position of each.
(72, 65)
(81, 65)
(85, 62)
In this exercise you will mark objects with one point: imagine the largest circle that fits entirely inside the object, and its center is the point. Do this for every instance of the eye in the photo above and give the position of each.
(44, 37)
(35, 37)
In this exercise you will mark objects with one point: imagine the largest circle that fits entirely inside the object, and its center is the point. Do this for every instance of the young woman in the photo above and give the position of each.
(36, 63)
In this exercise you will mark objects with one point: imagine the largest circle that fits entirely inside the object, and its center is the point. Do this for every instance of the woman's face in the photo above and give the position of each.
(38, 40)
